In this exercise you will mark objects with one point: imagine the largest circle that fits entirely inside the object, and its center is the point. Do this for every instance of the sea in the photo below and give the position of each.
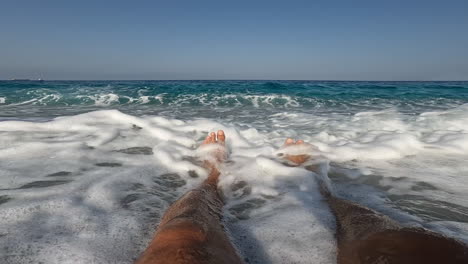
(87, 168)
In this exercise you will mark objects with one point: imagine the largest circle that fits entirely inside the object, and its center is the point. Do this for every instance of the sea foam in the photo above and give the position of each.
(92, 187)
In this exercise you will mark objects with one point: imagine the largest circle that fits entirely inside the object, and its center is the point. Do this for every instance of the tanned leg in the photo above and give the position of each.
(366, 236)
(191, 230)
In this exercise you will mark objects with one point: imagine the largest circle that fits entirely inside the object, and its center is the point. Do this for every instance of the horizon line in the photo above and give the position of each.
(310, 80)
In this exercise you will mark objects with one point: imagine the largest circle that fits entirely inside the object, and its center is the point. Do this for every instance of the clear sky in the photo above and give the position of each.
(235, 39)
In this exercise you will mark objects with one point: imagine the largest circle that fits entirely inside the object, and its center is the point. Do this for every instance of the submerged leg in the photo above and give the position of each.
(191, 230)
(366, 236)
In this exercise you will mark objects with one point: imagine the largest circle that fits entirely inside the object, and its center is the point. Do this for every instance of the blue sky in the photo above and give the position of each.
(197, 39)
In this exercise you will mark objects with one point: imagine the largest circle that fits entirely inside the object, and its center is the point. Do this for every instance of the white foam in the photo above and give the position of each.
(160, 98)
(144, 99)
(47, 98)
(25, 102)
(2, 100)
(236, 100)
(259, 100)
(106, 202)
(102, 99)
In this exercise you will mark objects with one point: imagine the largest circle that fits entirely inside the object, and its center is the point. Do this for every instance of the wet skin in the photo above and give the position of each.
(191, 230)
(365, 236)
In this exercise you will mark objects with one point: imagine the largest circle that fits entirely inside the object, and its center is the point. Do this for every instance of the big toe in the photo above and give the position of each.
(289, 141)
(221, 136)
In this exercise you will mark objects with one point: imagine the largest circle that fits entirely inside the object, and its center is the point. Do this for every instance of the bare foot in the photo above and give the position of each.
(296, 159)
(213, 149)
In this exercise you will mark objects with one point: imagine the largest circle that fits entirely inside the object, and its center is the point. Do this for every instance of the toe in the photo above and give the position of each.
(221, 137)
(300, 141)
(289, 141)
(213, 137)
(207, 140)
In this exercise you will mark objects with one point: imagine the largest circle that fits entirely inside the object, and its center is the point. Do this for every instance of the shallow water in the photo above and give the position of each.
(88, 168)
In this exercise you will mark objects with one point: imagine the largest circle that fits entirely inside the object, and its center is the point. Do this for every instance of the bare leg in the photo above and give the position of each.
(191, 230)
(366, 236)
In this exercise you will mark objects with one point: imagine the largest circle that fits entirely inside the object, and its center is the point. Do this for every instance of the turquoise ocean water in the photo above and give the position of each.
(52, 98)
